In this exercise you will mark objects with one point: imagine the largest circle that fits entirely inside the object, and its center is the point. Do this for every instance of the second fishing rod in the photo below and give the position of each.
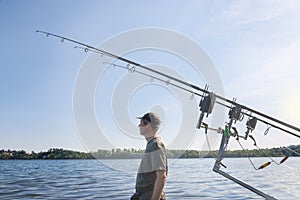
(193, 87)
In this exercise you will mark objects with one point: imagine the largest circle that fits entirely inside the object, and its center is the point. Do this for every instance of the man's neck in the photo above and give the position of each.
(150, 137)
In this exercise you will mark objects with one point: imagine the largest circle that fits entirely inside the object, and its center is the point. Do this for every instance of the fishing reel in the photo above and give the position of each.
(251, 124)
(206, 106)
(235, 113)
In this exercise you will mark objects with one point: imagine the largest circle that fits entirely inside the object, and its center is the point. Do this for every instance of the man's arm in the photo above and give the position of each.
(160, 181)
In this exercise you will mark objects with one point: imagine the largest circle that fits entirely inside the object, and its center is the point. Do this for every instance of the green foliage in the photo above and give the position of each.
(50, 154)
(293, 150)
(118, 154)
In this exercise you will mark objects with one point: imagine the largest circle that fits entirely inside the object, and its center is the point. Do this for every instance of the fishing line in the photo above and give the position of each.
(255, 144)
(218, 130)
(292, 151)
(282, 161)
(205, 126)
(214, 156)
(286, 156)
(247, 155)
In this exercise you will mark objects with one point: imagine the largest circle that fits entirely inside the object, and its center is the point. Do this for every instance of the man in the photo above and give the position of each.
(152, 173)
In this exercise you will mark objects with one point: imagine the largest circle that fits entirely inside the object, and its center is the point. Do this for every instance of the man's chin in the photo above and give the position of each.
(143, 134)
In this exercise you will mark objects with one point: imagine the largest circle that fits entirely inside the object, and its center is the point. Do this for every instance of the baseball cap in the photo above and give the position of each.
(151, 117)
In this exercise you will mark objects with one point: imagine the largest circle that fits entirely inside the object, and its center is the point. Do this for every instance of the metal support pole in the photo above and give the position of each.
(223, 145)
(245, 185)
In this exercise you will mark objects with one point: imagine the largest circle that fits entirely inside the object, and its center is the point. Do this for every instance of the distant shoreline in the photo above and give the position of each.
(59, 154)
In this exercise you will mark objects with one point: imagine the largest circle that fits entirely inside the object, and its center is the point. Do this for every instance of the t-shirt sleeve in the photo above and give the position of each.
(155, 157)
(158, 160)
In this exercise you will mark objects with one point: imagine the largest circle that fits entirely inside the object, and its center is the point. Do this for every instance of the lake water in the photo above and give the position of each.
(115, 179)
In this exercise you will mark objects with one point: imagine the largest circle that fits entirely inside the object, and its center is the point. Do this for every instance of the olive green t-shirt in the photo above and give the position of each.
(154, 159)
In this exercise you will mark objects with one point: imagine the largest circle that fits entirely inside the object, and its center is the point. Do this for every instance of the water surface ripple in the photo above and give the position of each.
(115, 179)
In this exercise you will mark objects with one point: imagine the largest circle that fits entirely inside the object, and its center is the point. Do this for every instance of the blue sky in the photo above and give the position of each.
(254, 45)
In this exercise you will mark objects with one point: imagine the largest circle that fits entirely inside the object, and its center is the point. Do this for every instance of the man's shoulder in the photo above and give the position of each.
(155, 144)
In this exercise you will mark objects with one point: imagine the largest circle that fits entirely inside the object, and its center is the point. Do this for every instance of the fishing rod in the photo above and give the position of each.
(208, 98)
(121, 59)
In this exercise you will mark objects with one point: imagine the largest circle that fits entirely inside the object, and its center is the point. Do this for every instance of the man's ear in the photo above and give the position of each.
(148, 125)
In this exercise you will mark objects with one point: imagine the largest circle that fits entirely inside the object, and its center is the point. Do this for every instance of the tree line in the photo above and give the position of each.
(118, 153)
(50, 154)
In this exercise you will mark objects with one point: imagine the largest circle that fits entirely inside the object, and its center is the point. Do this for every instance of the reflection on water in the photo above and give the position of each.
(115, 179)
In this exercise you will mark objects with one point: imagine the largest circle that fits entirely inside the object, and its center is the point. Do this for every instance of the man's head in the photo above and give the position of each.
(150, 120)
